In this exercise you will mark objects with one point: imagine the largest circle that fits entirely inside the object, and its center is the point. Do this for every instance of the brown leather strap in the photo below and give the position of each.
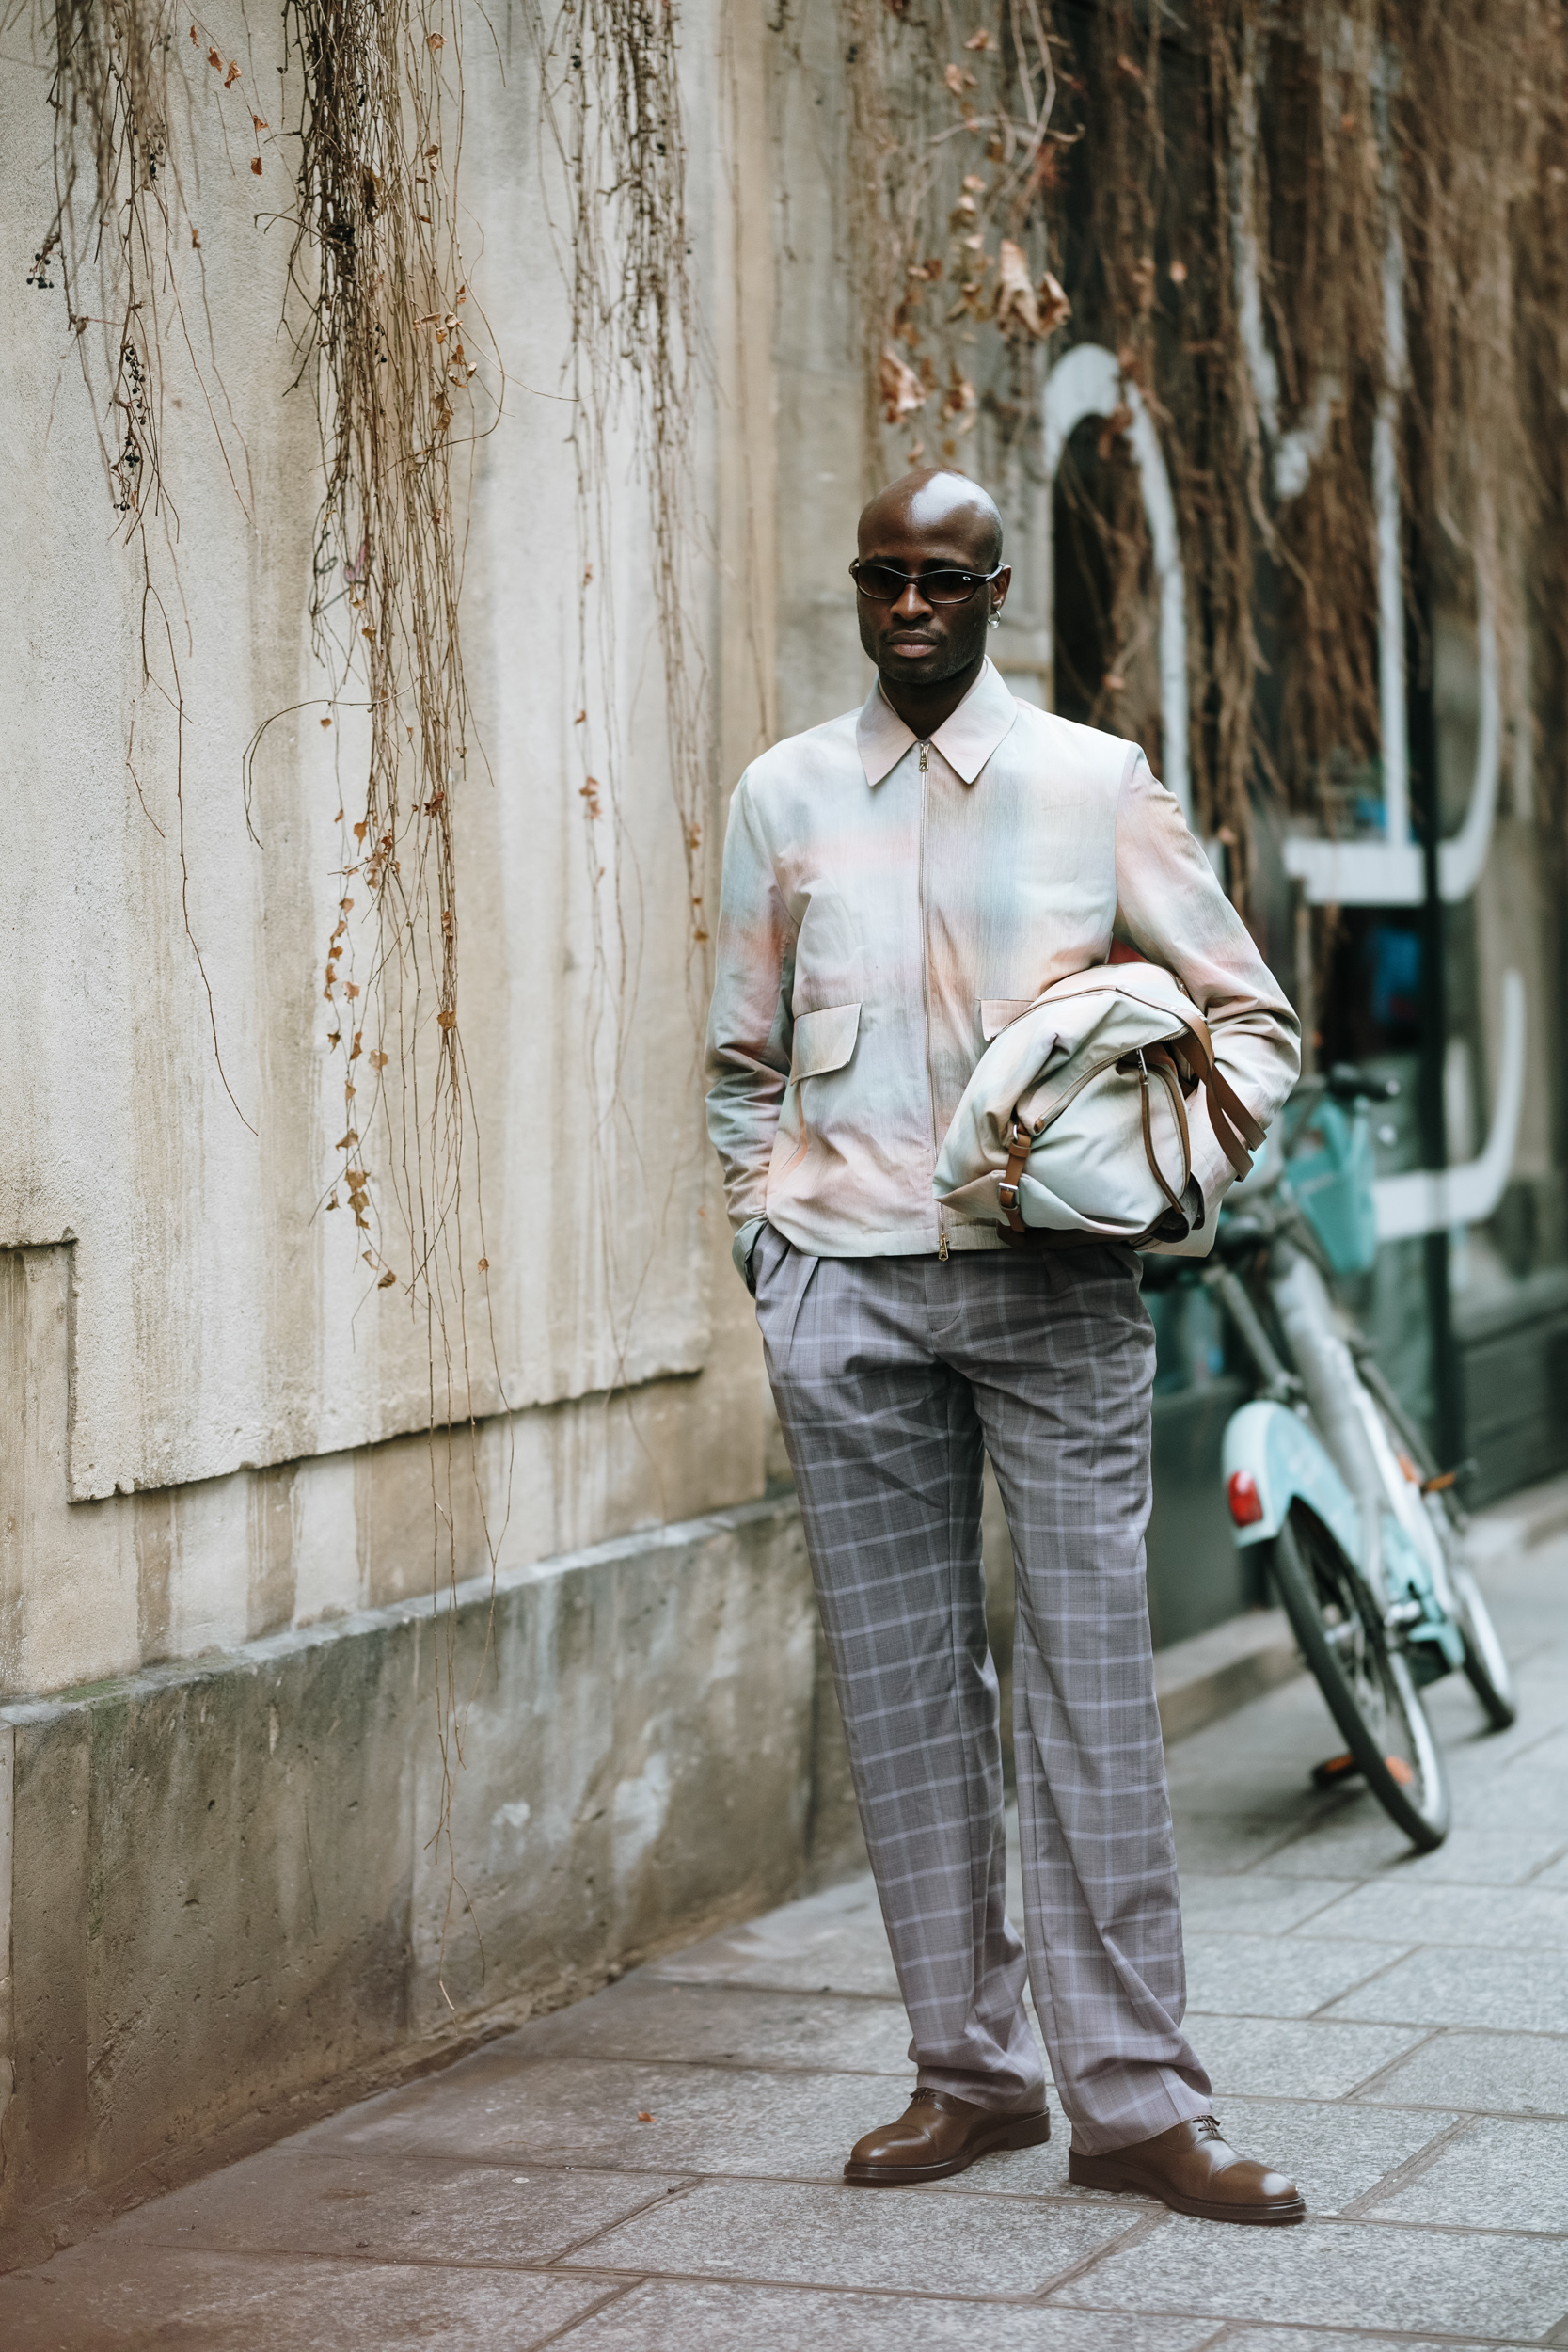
(1230, 1102)
(1020, 1144)
(1166, 1069)
(1163, 1057)
(1235, 1128)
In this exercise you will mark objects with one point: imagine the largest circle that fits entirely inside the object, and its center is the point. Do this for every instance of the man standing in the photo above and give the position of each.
(898, 885)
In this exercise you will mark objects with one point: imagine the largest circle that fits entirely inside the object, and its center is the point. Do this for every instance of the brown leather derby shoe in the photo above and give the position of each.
(1191, 2169)
(937, 2135)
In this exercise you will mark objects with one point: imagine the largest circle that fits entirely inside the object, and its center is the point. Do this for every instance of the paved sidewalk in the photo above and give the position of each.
(657, 2169)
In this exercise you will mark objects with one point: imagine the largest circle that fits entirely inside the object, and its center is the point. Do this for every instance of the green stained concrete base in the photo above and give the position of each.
(225, 1886)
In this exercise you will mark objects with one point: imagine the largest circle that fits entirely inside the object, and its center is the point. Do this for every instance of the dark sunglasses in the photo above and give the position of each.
(883, 585)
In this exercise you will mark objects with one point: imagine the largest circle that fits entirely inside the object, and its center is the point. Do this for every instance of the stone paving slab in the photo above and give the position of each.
(149, 2296)
(705, 2318)
(1496, 2176)
(1498, 2074)
(387, 2207)
(1261, 2058)
(648, 2018)
(1329, 2340)
(1360, 1849)
(1272, 1975)
(1392, 2031)
(925, 2242)
(1521, 1799)
(1512, 1918)
(842, 1949)
(1339, 2273)
(1515, 1992)
(559, 2111)
(1222, 1845)
(1253, 1904)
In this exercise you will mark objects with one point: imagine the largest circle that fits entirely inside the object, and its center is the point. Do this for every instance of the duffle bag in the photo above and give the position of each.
(1074, 1126)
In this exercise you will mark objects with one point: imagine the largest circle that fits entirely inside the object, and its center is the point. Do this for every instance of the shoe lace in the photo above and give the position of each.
(924, 2096)
(1208, 2127)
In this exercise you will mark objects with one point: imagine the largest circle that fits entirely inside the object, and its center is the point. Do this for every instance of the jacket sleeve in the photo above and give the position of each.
(751, 1025)
(1171, 909)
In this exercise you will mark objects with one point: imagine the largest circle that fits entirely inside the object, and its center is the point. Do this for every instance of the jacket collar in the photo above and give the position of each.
(966, 740)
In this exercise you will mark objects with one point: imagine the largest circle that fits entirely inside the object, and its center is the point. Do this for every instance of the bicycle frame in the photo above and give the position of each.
(1315, 1435)
(1364, 1548)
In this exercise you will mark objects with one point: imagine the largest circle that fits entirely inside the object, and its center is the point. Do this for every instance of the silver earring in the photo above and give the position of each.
(995, 620)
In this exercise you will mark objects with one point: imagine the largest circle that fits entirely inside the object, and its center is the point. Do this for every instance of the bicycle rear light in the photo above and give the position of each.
(1241, 1493)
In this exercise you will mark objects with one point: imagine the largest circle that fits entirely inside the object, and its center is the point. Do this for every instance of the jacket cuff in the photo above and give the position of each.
(741, 1249)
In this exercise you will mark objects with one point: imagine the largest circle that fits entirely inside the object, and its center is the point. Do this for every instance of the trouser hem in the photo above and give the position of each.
(1178, 2102)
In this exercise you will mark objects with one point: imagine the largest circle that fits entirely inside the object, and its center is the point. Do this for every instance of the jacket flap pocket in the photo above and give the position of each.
(824, 1040)
(997, 1011)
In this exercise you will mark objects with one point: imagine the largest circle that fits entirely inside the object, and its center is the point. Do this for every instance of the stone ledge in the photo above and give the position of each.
(474, 1592)
(1211, 1675)
(1534, 1516)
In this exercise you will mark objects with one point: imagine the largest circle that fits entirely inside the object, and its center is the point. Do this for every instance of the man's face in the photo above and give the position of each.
(912, 640)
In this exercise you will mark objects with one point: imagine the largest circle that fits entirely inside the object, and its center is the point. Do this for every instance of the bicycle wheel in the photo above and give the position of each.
(1487, 1669)
(1366, 1681)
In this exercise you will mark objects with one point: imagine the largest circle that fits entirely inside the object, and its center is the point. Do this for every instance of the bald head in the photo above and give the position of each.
(957, 517)
(938, 529)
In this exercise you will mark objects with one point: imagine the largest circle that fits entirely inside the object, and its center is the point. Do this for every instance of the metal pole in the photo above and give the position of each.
(1447, 1393)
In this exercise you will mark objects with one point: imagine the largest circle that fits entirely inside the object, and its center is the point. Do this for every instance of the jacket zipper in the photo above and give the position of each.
(925, 1002)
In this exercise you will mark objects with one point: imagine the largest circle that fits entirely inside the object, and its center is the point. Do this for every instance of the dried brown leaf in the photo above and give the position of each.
(902, 388)
(1038, 311)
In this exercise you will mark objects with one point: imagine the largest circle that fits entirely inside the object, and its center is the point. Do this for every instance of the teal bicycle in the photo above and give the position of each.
(1357, 1528)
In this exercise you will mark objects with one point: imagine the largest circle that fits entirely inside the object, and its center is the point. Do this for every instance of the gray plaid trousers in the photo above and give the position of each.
(894, 1377)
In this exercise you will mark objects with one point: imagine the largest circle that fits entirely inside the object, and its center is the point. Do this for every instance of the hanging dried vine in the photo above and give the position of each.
(952, 145)
(612, 163)
(611, 108)
(390, 332)
(1312, 235)
(121, 226)
(386, 333)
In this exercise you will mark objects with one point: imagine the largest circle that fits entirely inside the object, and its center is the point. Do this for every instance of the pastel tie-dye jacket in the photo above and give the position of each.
(887, 909)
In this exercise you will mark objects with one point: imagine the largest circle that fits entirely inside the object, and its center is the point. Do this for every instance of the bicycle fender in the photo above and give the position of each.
(1285, 1459)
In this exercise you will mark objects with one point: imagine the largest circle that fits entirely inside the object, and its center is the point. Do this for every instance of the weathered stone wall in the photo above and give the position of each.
(219, 1505)
(218, 1406)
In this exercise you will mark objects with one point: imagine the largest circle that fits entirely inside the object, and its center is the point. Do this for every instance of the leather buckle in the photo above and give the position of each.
(1007, 1195)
